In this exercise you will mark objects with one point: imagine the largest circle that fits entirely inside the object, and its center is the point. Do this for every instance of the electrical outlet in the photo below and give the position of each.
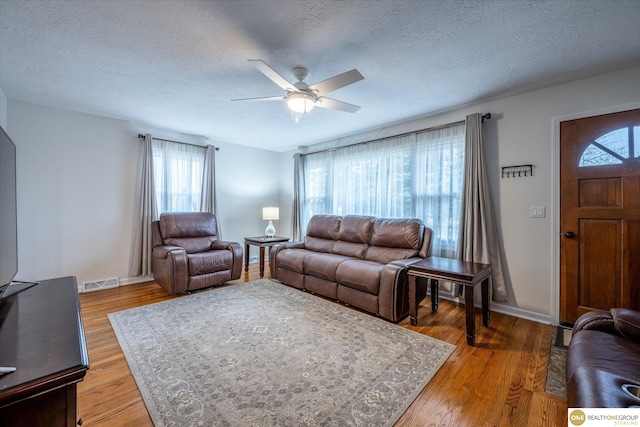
(537, 211)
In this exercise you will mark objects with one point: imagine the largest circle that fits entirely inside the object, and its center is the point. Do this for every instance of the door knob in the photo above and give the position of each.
(569, 235)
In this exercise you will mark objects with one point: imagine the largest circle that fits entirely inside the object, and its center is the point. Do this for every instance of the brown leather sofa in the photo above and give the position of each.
(187, 254)
(358, 260)
(603, 360)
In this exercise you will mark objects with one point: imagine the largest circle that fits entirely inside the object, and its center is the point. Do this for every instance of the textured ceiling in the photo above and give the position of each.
(177, 64)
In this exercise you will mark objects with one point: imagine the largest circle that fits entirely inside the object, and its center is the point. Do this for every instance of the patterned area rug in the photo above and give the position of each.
(264, 354)
(556, 376)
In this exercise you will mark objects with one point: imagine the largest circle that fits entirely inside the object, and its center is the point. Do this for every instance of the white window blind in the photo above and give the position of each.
(177, 172)
(411, 176)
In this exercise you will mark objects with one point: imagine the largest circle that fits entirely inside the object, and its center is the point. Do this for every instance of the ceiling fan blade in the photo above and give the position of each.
(273, 75)
(334, 104)
(264, 98)
(336, 82)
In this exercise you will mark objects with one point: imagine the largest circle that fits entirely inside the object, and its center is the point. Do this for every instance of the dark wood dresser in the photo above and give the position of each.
(42, 336)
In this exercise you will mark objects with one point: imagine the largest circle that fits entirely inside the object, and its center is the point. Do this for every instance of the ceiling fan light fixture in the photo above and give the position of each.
(300, 102)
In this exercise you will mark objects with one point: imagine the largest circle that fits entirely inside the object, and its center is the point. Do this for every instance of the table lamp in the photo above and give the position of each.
(269, 214)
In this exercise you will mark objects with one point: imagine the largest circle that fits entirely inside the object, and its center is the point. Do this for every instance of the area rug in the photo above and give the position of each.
(264, 354)
(556, 377)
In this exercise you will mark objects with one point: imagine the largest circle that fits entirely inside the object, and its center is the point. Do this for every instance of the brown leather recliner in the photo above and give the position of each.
(603, 360)
(187, 254)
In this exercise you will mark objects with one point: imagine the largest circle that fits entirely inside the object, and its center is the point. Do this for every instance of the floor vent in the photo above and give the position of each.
(97, 285)
(253, 259)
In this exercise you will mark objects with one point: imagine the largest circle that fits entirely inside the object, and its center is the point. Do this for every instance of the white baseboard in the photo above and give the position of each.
(505, 309)
(134, 280)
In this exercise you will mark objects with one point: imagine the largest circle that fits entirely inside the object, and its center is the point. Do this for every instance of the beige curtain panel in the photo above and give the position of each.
(478, 241)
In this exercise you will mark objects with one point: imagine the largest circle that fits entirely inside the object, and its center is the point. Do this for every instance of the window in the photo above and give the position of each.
(177, 173)
(613, 148)
(412, 176)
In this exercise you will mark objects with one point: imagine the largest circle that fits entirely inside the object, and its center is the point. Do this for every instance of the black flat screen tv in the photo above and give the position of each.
(8, 210)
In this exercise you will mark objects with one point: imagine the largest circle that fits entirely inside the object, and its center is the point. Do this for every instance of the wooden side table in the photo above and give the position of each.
(262, 242)
(468, 274)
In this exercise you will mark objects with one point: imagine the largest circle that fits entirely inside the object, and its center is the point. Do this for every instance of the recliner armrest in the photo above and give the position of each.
(618, 321)
(221, 245)
(627, 323)
(163, 251)
(236, 250)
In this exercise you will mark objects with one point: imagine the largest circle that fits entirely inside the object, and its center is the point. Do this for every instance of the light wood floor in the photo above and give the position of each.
(499, 382)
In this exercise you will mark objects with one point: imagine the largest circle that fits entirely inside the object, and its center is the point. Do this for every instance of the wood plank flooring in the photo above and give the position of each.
(499, 382)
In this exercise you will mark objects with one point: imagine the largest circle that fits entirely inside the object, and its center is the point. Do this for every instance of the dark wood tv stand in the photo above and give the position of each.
(42, 336)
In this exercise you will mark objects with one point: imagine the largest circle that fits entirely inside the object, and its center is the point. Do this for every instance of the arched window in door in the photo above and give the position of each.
(613, 148)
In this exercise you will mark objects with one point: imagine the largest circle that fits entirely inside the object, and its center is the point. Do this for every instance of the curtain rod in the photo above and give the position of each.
(484, 116)
(140, 136)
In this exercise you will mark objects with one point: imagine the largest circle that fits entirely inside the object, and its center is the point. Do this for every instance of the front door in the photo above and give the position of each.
(599, 214)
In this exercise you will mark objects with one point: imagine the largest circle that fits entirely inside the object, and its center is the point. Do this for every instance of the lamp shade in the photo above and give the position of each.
(300, 102)
(270, 213)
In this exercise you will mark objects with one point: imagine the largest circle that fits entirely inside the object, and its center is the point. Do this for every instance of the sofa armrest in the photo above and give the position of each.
(393, 296)
(273, 254)
(169, 265)
(236, 250)
(163, 251)
(618, 321)
(405, 262)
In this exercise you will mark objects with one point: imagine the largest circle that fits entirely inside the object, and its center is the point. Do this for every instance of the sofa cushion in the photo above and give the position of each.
(192, 231)
(193, 224)
(323, 265)
(317, 244)
(324, 226)
(353, 236)
(350, 249)
(209, 262)
(361, 275)
(397, 233)
(393, 239)
(355, 228)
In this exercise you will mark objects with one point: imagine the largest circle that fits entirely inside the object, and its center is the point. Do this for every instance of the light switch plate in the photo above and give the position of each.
(537, 211)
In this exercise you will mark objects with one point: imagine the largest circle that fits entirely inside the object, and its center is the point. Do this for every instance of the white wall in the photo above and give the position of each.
(247, 180)
(3, 110)
(521, 132)
(76, 179)
(76, 175)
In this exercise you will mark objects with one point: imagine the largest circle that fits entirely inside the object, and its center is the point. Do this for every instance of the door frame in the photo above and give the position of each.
(555, 196)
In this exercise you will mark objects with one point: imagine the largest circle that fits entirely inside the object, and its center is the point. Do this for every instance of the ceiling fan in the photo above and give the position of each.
(301, 97)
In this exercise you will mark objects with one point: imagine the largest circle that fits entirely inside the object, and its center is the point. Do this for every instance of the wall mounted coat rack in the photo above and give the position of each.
(517, 171)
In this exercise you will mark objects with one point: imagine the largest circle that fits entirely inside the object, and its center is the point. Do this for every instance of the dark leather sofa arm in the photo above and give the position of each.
(273, 253)
(236, 250)
(163, 251)
(170, 268)
(618, 321)
(406, 262)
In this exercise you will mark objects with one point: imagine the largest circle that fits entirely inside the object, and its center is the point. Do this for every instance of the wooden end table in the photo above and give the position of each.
(468, 274)
(262, 242)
